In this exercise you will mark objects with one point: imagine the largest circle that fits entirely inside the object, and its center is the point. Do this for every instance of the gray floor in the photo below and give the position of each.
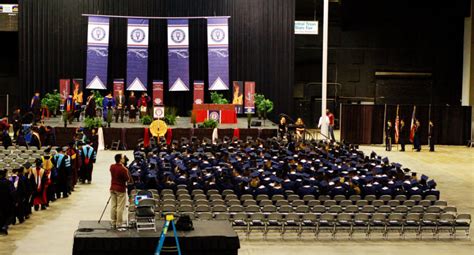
(51, 231)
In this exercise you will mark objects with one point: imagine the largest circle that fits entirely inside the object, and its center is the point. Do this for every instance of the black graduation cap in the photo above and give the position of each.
(424, 177)
(431, 184)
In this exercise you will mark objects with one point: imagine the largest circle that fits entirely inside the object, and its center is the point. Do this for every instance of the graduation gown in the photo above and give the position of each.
(88, 156)
(105, 103)
(90, 108)
(38, 181)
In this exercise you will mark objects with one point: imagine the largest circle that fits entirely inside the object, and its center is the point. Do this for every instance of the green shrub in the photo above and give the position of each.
(98, 98)
(208, 123)
(170, 115)
(91, 123)
(146, 120)
(217, 98)
(51, 101)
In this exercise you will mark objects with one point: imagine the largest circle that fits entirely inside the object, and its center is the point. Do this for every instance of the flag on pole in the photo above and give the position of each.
(137, 54)
(397, 123)
(97, 53)
(413, 125)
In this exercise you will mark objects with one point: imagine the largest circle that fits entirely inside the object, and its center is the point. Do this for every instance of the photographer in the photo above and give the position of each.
(120, 177)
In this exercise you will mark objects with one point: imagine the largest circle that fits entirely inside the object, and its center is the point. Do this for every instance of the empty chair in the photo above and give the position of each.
(256, 221)
(355, 198)
(344, 223)
(204, 215)
(182, 186)
(352, 209)
(335, 209)
(324, 198)
(239, 221)
(302, 209)
(252, 209)
(362, 203)
(262, 197)
(233, 202)
(199, 197)
(267, 209)
(230, 197)
(368, 209)
(417, 198)
(281, 203)
(265, 202)
(217, 202)
(168, 197)
(167, 192)
(378, 223)
(329, 203)
(202, 202)
(293, 197)
(360, 223)
(433, 209)
(212, 192)
(309, 221)
(345, 203)
(202, 208)
(431, 198)
(318, 209)
(339, 198)
(384, 209)
(219, 209)
(249, 202)
(184, 197)
(285, 209)
(307, 198)
(370, 198)
(297, 203)
(227, 192)
(409, 203)
(277, 197)
(412, 223)
(215, 197)
(393, 203)
(401, 198)
(462, 223)
(246, 197)
(168, 202)
(197, 191)
(425, 203)
(326, 223)
(378, 203)
(185, 208)
(182, 192)
(446, 224)
(145, 214)
(450, 209)
(441, 203)
(401, 209)
(222, 216)
(289, 192)
(168, 208)
(417, 209)
(429, 222)
(394, 223)
(385, 198)
(312, 203)
(292, 221)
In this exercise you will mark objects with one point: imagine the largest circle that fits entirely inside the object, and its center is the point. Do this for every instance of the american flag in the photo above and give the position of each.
(413, 125)
(397, 122)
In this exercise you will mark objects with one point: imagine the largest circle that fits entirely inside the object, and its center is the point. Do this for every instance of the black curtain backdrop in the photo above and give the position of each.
(364, 124)
(53, 38)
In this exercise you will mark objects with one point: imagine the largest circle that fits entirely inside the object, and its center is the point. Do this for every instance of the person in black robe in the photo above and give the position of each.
(62, 164)
(132, 107)
(16, 122)
(6, 202)
(388, 136)
(431, 136)
(6, 139)
(35, 138)
(282, 128)
(416, 137)
(90, 106)
(402, 135)
(35, 106)
(19, 194)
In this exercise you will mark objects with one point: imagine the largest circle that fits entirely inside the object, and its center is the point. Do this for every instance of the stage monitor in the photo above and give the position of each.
(9, 17)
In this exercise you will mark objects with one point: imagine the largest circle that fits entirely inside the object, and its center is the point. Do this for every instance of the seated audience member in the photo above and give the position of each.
(300, 129)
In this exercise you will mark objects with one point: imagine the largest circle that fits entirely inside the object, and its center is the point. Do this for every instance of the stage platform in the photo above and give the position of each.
(207, 238)
(181, 122)
(130, 133)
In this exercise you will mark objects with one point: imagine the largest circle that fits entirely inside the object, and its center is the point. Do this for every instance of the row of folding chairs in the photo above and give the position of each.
(289, 196)
(365, 223)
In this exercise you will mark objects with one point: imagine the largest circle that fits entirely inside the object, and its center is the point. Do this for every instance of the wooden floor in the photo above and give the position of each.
(51, 231)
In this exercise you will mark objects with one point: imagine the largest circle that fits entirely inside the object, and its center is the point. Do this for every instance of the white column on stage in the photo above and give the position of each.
(100, 138)
(466, 71)
(324, 128)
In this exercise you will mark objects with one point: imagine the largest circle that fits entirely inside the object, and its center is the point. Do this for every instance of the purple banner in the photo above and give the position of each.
(137, 54)
(97, 53)
(178, 55)
(218, 53)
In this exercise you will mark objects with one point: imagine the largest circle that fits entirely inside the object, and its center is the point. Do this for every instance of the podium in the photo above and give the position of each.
(223, 113)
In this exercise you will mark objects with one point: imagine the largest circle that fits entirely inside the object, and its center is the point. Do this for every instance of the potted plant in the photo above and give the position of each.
(146, 120)
(209, 123)
(92, 123)
(51, 102)
(258, 99)
(170, 116)
(265, 106)
(217, 98)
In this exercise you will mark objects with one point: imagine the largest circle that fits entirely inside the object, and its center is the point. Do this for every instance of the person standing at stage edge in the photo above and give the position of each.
(388, 136)
(88, 156)
(119, 178)
(431, 136)
(403, 135)
(331, 124)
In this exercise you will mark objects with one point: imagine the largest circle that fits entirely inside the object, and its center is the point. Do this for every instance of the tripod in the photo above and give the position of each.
(102, 215)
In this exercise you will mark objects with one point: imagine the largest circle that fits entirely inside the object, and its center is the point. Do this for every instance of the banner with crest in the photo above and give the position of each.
(218, 53)
(97, 52)
(178, 55)
(137, 54)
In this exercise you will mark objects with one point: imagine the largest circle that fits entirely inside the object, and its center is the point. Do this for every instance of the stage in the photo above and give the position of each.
(207, 238)
(130, 133)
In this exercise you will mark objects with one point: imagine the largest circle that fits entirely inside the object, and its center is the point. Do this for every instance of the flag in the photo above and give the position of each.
(413, 125)
(178, 55)
(198, 92)
(118, 86)
(64, 89)
(249, 99)
(97, 53)
(158, 99)
(218, 53)
(137, 54)
(397, 122)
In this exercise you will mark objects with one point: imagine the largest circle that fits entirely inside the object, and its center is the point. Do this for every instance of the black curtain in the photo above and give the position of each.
(364, 124)
(52, 42)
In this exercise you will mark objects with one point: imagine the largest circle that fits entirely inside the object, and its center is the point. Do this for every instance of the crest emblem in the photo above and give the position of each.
(214, 116)
(98, 33)
(137, 35)
(178, 36)
(217, 35)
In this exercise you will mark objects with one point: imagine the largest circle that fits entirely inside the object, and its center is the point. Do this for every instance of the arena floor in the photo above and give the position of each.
(51, 231)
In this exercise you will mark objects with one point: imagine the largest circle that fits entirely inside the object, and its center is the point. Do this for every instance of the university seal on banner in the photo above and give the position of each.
(98, 33)
(214, 116)
(137, 35)
(157, 101)
(217, 35)
(178, 36)
(198, 101)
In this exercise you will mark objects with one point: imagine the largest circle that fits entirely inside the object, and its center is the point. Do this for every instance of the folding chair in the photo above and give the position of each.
(326, 223)
(361, 222)
(412, 223)
(274, 222)
(145, 214)
(394, 223)
(463, 223)
(429, 222)
(292, 221)
(446, 224)
(378, 223)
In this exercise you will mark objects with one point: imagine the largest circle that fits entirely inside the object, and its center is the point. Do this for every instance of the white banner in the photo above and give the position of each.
(306, 28)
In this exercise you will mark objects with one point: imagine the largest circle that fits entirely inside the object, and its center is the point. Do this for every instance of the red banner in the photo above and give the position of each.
(158, 99)
(198, 92)
(118, 86)
(238, 96)
(249, 101)
(64, 89)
